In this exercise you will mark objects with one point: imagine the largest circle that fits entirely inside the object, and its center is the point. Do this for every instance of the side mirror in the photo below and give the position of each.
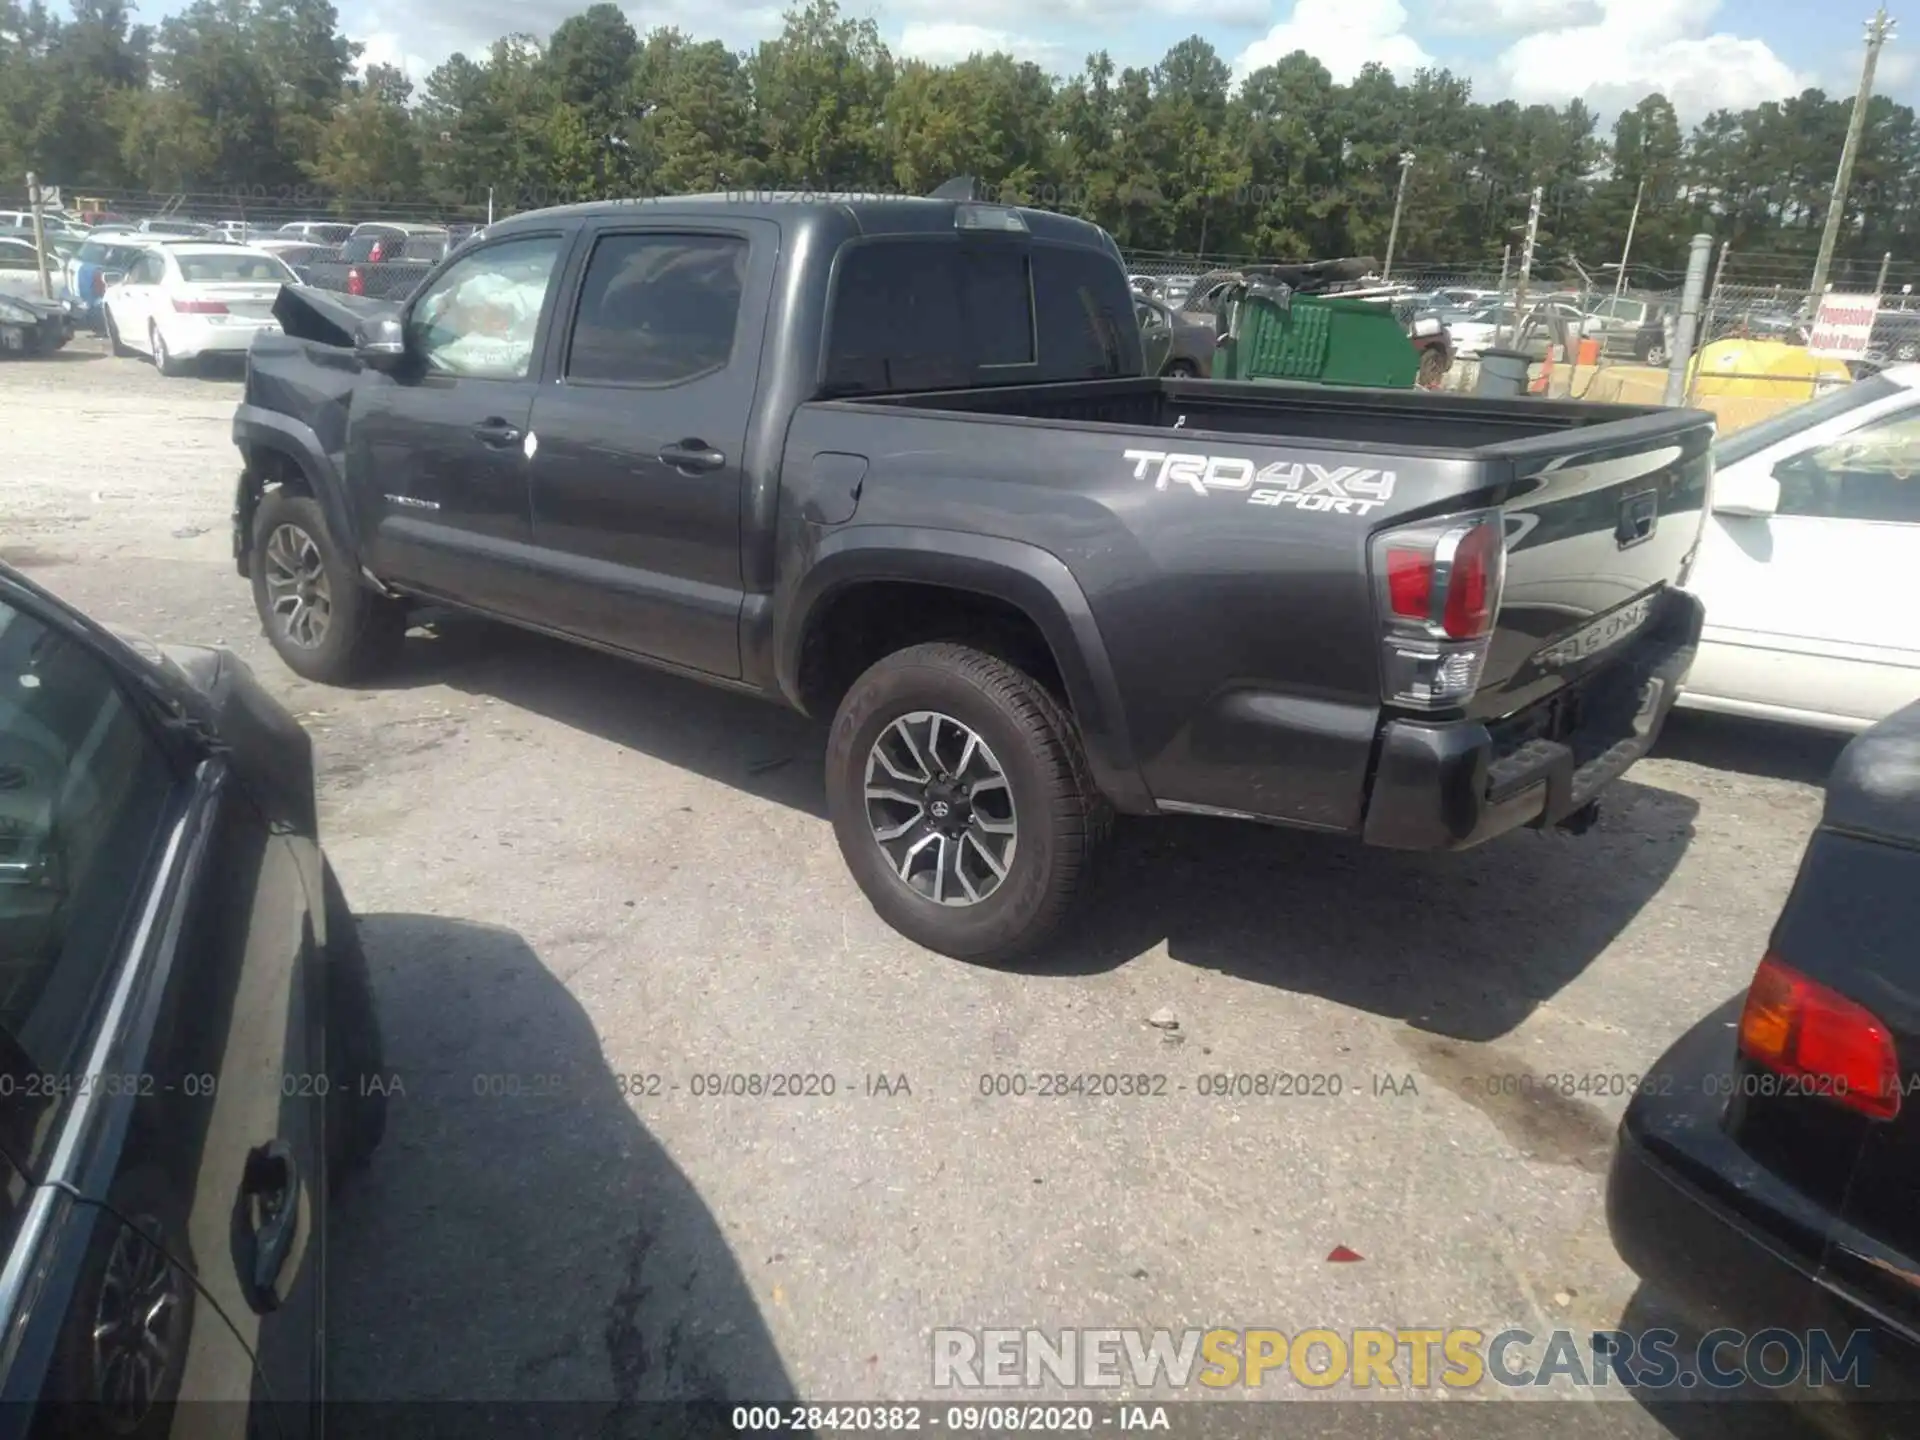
(1745, 492)
(381, 344)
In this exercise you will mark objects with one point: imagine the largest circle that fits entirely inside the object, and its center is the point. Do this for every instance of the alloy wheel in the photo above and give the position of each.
(297, 588)
(940, 808)
(136, 1326)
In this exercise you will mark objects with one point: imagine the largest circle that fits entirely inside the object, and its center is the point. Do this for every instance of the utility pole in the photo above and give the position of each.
(1880, 284)
(1399, 199)
(1879, 29)
(39, 236)
(1633, 221)
(1526, 265)
(1690, 296)
(1704, 333)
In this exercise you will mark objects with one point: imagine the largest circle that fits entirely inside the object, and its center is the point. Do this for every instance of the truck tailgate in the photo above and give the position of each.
(1594, 533)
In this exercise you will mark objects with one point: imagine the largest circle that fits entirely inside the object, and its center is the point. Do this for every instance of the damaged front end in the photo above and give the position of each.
(291, 423)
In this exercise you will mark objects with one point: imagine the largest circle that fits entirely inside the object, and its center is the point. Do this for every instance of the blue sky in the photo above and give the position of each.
(1702, 53)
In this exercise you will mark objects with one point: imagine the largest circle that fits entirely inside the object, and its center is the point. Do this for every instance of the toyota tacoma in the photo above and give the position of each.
(894, 462)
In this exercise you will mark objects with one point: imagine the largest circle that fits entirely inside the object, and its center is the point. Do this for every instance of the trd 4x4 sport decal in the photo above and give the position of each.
(1327, 489)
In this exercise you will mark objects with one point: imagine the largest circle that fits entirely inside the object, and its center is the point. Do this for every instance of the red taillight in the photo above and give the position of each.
(1473, 582)
(198, 307)
(1799, 1027)
(356, 282)
(1439, 592)
(373, 255)
(1410, 583)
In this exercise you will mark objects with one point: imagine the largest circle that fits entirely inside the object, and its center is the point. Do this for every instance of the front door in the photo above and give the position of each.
(638, 446)
(437, 450)
(1815, 593)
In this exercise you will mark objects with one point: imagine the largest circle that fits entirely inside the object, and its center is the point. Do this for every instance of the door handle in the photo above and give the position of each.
(692, 455)
(496, 432)
(266, 1221)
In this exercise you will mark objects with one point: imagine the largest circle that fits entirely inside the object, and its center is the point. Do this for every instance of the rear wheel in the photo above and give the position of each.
(322, 618)
(1433, 369)
(1907, 350)
(1182, 370)
(1656, 353)
(962, 802)
(163, 359)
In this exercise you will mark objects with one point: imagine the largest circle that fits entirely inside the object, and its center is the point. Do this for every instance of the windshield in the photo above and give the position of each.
(216, 269)
(1788, 423)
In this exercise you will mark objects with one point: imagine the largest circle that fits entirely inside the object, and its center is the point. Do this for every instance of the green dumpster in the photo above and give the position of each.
(1270, 332)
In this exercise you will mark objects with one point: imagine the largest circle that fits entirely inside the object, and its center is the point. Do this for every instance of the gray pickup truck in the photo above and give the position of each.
(893, 462)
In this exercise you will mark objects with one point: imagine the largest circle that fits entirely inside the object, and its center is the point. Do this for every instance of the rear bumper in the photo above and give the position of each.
(191, 335)
(1451, 785)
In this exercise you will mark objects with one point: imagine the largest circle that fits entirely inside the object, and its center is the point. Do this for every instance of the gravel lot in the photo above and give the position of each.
(569, 866)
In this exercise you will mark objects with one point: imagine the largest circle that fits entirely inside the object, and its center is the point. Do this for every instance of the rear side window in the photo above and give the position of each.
(658, 309)
(929, 315)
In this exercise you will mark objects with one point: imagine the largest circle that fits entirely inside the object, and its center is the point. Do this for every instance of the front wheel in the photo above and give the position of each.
(1656, 353)
(962, 802)
(1907, 350)
(319, 615)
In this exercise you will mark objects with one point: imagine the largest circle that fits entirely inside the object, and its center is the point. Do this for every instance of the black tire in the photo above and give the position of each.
(1655, 354)
(142, 1228)
(1063, 821)
(114, 342)
(164, 360)
(356, 1083)
(1182, 370)
(364, 629)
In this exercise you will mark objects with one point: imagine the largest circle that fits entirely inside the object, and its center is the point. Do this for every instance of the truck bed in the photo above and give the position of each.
(1405, 422)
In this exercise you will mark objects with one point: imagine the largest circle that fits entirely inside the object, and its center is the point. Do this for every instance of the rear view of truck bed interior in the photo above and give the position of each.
(1397, 419)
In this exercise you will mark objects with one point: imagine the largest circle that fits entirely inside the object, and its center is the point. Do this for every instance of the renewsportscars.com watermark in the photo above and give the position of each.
(1413, 1359)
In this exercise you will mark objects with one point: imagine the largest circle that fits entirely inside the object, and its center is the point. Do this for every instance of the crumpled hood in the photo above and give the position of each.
(327, 316)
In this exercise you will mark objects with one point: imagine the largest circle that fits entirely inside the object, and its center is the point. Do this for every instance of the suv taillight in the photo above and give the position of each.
(356, 282)
(1796, 1026)
(1438, 588)
(375, 251)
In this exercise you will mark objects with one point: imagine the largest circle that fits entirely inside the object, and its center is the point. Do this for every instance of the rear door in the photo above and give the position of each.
(437, 451)
(1810, 600)
(156, 1031)
(638, 445)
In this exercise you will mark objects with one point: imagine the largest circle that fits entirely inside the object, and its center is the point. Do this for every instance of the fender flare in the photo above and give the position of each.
(1033, 580)
(256, 429)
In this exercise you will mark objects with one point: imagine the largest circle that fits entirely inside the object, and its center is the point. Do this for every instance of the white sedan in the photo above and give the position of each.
(1804, 562)
(179, 302)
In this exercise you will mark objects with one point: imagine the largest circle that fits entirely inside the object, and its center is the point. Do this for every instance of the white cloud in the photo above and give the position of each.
(1638, 46)
(383, 47)
(1343, 35)
(1015, 16)
(945, 42)
(1506, 17)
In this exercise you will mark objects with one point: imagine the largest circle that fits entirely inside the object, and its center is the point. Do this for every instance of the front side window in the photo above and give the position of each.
(84, 793)
(1872, 474)
(478, 319)
(658, 309)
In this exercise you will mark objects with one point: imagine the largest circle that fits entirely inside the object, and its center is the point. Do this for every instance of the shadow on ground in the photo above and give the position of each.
(1751, 747)
(1461, 945)
(520, 1236)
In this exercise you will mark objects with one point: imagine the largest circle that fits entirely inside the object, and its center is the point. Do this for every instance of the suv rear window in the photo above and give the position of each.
(946, 313)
